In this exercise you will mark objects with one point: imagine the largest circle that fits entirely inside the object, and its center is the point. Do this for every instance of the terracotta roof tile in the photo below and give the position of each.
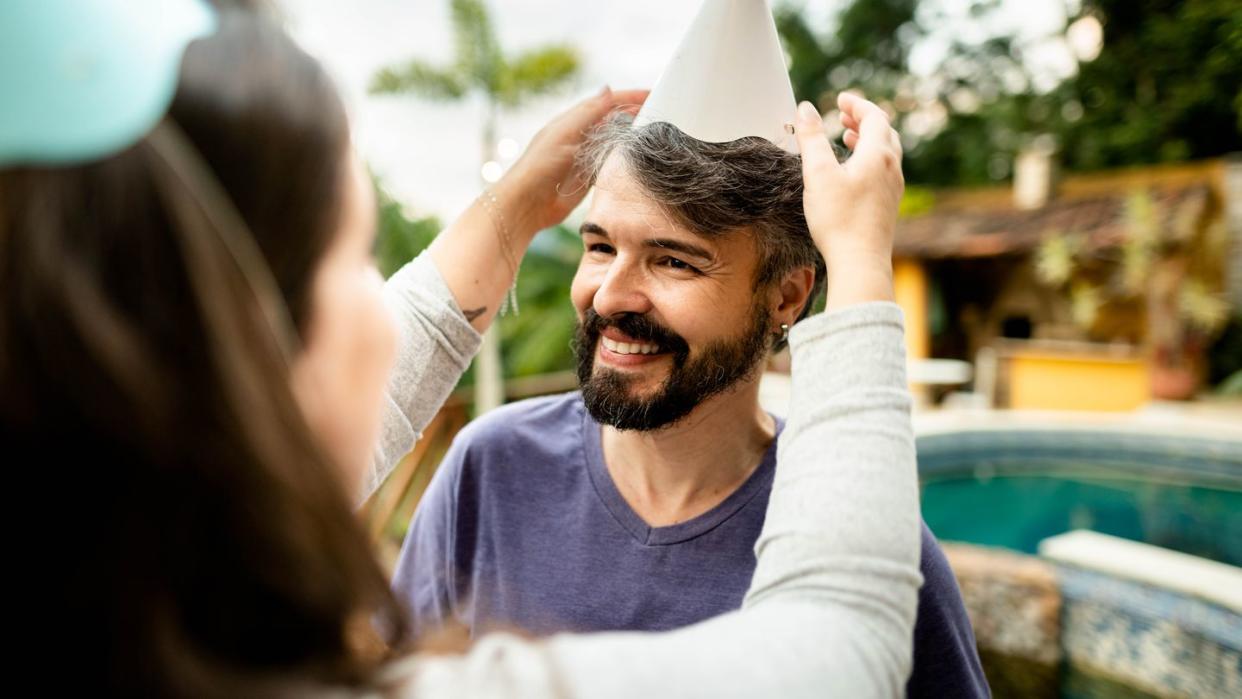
(980, 232)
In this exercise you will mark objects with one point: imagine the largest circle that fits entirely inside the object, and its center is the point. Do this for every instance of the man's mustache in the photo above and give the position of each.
(638, 326)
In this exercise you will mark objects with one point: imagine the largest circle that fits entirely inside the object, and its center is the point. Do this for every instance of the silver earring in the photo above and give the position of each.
(784, 331)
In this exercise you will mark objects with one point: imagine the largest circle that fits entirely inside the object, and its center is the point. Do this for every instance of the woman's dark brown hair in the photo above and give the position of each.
(201, 540)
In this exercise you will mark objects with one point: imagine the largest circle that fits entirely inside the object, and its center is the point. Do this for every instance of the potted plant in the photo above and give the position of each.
(1165, 270)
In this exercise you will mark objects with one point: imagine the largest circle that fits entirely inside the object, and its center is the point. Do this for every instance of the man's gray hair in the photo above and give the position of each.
(717, 188)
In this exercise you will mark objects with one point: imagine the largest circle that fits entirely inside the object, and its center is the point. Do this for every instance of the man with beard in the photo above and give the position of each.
(635, 503)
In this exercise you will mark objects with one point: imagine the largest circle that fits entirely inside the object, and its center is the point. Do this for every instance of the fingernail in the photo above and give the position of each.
(806, 112)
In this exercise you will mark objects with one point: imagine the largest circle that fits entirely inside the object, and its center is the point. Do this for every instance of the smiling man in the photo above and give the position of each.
(635, 503)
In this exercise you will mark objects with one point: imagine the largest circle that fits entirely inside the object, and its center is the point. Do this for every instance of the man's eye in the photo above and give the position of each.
(600, 248)
(681, 265)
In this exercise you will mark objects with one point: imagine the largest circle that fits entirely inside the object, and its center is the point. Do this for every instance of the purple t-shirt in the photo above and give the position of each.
(522, 527)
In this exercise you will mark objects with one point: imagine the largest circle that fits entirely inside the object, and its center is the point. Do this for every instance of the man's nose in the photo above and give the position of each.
(623, 290)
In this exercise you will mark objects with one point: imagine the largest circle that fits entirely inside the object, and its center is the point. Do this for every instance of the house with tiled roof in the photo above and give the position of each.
(1087, 292)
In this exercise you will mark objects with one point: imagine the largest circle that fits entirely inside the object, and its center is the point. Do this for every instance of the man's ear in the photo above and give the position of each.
(793, 293)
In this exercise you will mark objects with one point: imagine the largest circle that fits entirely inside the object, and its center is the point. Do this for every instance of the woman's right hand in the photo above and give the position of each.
(544, 185)
(479, 254)
(851, 207)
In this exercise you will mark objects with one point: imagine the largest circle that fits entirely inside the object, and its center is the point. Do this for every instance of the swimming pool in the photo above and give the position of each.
(1014, 488)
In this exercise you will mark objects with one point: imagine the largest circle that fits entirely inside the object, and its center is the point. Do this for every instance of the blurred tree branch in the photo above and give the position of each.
(481, 66)
(1166, 84)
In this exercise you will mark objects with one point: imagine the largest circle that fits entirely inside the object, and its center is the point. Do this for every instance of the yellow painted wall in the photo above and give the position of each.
(910, 289)
(1044, 381)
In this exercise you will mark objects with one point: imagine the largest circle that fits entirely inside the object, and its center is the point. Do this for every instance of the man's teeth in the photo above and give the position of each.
(629, 347)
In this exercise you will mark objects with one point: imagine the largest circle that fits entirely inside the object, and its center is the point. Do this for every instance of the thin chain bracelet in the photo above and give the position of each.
(492, 206)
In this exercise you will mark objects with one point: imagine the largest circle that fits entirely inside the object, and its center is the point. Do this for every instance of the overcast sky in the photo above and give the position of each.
(428, 153)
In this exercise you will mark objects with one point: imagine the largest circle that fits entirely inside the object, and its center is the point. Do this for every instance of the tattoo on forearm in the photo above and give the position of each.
(474, 313)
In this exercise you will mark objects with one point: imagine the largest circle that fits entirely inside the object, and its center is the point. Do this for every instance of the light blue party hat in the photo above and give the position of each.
(83, 79)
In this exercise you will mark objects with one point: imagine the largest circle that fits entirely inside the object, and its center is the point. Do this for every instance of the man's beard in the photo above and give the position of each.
(690, 381)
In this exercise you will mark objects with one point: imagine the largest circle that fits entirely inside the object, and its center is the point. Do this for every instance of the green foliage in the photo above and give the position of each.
(424, 79)
(536, 72)
(480, 64)
(870, 47)
(1086, 300)
(1232, 386)
(1186, 306)
(1202, 309)
(478, 51)
(537, 340)
(976, 148)
(1056, 258)
(1142, 244)
(1163, 88)
(1166, 86)
(1225, 355)
(870, 50)
(399, 238)
(916, 201)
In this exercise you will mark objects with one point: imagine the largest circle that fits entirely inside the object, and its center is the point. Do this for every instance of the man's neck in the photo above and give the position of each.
(679, 472)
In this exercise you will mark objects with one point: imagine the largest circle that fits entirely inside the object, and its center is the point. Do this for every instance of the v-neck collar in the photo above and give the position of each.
(645, 534)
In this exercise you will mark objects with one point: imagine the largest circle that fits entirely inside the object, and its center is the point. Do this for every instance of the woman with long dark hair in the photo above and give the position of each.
(194, 340)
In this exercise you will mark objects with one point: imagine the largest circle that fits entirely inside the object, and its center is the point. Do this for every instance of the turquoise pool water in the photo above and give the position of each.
(1016, 488)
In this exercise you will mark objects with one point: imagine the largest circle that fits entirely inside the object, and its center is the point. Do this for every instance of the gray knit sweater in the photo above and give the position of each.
(831, 609)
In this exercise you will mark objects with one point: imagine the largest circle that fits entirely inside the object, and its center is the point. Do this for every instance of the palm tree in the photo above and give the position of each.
(504, 82)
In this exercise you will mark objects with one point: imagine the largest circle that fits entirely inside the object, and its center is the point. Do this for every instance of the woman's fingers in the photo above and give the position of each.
(609, 100)
(817, 155)
(592, 110)
(851, 124)
(873, 127)
(584, 114)
(545, 180)
(877, 143)
(629, 100)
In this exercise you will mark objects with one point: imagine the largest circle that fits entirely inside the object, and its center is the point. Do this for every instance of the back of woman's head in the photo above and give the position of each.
(204, 542)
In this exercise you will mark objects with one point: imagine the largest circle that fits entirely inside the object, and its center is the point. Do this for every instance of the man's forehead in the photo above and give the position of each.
(619, 203)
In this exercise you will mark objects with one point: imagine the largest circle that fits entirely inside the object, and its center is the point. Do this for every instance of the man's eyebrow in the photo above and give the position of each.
(593, 228)
(662, 243)
(680, 246)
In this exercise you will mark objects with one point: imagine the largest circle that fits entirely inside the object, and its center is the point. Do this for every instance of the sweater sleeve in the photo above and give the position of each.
(831, 608)
(435, 346)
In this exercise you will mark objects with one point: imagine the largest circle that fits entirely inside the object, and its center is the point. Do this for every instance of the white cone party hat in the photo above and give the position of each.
(728, 78)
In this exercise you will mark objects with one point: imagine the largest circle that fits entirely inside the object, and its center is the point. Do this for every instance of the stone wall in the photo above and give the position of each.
(1014, 604)
(1052, 630)
(1158, 641)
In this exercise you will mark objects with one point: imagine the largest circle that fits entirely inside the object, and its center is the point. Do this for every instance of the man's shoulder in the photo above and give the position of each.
(937, 574)
(946, 662)
(512, 458)
(545, 427)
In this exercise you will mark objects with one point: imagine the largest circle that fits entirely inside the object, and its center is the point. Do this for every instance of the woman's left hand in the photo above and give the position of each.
(545, 184)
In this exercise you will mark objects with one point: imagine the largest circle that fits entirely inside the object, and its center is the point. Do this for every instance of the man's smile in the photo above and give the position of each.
(621, 350)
